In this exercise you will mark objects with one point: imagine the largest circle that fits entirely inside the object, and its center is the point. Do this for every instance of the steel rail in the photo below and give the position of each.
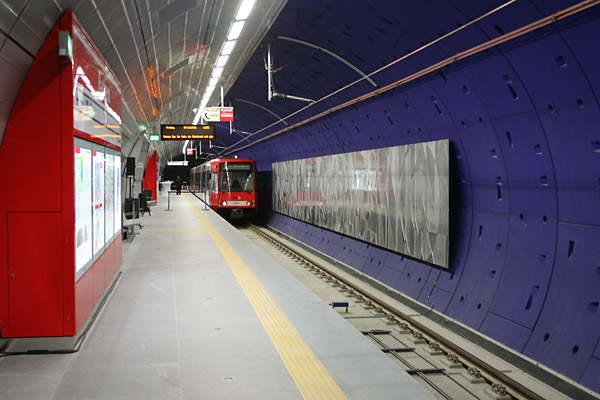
(513, 387)
(412, 370)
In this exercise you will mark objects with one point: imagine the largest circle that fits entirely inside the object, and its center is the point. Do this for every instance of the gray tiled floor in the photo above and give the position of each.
(178, 326)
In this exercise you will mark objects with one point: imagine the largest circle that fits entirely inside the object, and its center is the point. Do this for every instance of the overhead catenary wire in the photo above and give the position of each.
(557, 16)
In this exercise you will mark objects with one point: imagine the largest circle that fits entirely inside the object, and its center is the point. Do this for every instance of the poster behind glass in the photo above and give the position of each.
(98, 199)
(83, 209)
(109, 201)
(117, 196)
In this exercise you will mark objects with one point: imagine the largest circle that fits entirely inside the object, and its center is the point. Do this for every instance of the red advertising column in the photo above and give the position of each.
(150, 175)
(60, 229)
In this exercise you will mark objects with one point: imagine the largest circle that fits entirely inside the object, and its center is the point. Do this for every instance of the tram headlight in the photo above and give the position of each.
(223, 203)
(249, 203)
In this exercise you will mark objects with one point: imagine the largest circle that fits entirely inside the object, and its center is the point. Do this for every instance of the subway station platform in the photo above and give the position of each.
(200, 312)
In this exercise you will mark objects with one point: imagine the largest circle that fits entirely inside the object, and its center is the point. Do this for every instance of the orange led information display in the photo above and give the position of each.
(187, 132)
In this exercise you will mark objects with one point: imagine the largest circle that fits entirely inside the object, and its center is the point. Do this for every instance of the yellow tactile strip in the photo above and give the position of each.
(312, 379)
(174, 230)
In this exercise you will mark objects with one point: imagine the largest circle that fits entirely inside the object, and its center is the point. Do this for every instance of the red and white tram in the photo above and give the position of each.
(228, 186)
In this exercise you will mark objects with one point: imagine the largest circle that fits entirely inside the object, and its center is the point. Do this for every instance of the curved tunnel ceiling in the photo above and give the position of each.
(522, 118)
(162, 53)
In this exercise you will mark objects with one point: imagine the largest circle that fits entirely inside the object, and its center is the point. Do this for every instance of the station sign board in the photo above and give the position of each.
(218, 114)
(226, 114)
(177, 163)
(187, 132)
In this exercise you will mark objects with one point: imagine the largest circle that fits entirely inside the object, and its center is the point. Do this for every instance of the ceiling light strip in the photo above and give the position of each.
(234, 32)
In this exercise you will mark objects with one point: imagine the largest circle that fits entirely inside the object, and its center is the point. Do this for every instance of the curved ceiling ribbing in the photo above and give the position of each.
(522, 119)
(161, 52)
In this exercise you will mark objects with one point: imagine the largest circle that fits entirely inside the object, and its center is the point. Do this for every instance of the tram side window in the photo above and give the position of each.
(205, 180)
(214, 182)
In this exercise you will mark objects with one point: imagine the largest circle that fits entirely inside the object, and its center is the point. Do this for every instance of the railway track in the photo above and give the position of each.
(446, 368)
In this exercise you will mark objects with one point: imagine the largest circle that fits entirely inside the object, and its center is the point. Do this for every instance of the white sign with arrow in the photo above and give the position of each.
(212, 114)
(218, 114)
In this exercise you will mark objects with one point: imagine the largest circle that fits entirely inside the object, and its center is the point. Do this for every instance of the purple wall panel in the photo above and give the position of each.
(591, 374)
(444, 280)
(375, 261)
(526, 273)
(530, 253)
(567, 339)
(465, 107)
(438, 298)
(483, 269)
(414, 278)
(524, 151)
(395, 261)
(405, 123)
(354, 252)
(569, 114)
(497, 86)
(588, 61)
(506, 332)
(312, 235)
(488, 174)
(425, 101)
(376, 126)
(488, 179)
(389, 276)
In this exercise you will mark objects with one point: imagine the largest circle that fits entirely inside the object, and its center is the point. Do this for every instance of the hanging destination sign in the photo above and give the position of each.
(187, 132)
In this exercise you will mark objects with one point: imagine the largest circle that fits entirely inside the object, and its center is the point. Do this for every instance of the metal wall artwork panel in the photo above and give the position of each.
(395, 197)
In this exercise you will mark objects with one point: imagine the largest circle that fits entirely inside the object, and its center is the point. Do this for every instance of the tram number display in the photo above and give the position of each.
(187, 132)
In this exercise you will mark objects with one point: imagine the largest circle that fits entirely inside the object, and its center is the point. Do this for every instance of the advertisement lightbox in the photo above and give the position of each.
(97, 202)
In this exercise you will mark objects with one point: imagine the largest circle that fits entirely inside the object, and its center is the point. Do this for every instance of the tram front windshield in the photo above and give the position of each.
(236, 177)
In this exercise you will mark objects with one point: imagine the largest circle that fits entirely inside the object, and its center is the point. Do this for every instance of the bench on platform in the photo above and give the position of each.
(129, 227)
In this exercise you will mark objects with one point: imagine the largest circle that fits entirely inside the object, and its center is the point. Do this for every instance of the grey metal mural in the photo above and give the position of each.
(395, 197)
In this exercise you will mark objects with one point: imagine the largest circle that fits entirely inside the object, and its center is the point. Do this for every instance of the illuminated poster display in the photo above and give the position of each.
(98, 200)
(109, 198)
(96, 94)
(83, 210)
(117, 197)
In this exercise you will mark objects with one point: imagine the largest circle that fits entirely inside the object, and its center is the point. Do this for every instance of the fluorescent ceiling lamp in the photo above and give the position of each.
(216, 72)
(184, 146)
(208, 90)
(221, 61)
(213, 81)
(228, 47)
(245, 9)
(236, 29)
(196, 118)
(207, 95)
